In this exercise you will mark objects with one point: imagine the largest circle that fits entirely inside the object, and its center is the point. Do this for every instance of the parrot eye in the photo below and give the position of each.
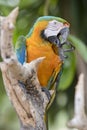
(55, 22)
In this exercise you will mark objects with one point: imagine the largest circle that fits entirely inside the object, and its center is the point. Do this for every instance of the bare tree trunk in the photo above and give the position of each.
(21, 82)
(79, 120)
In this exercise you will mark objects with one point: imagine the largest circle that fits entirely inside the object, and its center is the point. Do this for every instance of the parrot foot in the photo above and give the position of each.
(46, 92)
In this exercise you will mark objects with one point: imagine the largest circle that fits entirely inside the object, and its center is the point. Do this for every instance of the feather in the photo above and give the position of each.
(20, 49)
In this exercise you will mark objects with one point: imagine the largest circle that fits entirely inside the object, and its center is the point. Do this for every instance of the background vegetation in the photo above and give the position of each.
(75, 12)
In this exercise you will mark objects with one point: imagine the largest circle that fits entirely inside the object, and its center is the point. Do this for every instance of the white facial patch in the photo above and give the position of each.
(54, 28)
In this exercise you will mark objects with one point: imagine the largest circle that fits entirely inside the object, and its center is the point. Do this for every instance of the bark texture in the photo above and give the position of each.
(21, 82)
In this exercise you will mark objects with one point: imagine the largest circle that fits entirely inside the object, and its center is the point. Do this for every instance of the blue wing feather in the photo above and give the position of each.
(20, 49)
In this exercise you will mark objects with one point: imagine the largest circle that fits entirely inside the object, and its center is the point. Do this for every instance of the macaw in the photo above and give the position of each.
(45, 39)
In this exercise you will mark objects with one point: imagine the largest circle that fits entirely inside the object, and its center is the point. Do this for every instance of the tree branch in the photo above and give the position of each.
(21, 82)
(79, 120)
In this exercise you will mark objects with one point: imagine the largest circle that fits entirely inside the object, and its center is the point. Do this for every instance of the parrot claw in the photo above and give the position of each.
(46, 92)
(62, 51)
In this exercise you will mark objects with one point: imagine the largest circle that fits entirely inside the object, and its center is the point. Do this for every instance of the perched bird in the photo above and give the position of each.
(45, 39)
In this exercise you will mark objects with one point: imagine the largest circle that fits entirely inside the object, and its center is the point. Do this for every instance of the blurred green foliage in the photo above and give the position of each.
(75, 12)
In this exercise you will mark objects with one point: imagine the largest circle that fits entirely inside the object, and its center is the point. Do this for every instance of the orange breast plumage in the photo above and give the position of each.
(51, 63)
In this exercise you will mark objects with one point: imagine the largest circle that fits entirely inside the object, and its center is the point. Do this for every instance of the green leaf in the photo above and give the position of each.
(79, 46)
(69, 64)
(68, 72)
(10, 3)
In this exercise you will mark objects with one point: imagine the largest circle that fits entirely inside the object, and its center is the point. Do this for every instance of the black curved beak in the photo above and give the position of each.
(56, 41)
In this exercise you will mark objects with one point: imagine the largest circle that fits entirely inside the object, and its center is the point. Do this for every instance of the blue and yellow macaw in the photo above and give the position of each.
(45, 39)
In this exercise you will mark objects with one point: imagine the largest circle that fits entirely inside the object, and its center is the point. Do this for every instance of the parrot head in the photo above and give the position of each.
(54, 30)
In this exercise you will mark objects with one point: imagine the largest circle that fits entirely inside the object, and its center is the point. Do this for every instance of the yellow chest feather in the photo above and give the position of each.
(50, 64)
